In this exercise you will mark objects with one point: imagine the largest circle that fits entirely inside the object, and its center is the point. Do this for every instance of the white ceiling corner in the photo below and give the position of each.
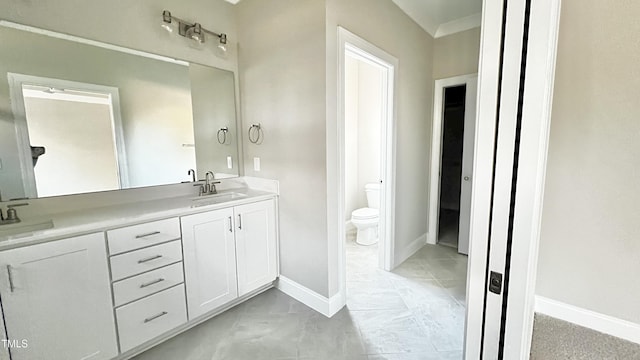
(443, 17)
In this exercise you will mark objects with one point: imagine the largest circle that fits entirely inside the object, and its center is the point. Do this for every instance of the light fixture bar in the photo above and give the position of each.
(184, 26)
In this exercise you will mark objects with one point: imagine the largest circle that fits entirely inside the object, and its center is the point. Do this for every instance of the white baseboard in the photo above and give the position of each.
(431, 238)
(326, 306)
(410, 249)
(589, 319)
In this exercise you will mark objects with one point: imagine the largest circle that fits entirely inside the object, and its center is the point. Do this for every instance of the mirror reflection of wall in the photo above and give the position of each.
(75, 131)
(169, 114)
(213, 109)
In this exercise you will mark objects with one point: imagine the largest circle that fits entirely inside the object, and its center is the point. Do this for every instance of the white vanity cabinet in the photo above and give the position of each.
(209, 260)
(56, 296)
(228, 253)
(113, 294)
(256, 245)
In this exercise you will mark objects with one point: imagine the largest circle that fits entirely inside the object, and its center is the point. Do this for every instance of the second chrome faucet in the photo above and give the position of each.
(209, 186)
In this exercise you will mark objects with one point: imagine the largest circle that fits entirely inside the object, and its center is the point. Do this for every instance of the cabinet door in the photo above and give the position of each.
(56, 299)
(209, 260)
(256, 246)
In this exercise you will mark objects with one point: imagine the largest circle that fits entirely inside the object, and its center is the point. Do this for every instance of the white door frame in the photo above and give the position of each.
(356, 46)
(436, 145)
(16, 81)
(514, 111)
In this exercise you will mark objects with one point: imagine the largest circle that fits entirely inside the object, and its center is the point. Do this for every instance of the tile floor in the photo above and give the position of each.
(415, 312)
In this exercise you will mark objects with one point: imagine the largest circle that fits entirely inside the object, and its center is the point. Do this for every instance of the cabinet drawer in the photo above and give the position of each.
(145, 319)
(137, 287)
(143, 260)
(143, 235)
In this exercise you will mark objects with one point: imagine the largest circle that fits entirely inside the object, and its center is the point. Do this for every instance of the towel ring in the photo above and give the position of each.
(255, 134)
(222, 135)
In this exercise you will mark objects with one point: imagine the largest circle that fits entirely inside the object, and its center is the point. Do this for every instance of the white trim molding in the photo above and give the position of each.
(436, 150)
(459, 25)
(350, 44)
(410, 249)
(606, 324)
(325, 306)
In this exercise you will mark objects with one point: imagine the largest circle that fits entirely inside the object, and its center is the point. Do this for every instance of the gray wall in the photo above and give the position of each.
(382, 23)
(214, 107)
(133, 24)
(282, 83)
(590, 239)
(456, 54)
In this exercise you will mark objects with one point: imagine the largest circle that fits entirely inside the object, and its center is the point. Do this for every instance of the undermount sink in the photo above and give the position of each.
(217, 198)
(24, 228)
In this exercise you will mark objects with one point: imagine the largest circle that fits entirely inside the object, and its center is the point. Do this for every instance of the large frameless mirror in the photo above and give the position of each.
(77, 116)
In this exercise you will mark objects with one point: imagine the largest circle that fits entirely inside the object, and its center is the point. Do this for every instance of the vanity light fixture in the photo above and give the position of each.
(193, 31)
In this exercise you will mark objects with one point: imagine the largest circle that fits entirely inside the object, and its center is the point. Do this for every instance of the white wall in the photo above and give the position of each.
(382, 23)
(282, 83)
(363, 123)
(590, 240)
(456, 54)
(80, 154)
(351, 136)
(369, 127)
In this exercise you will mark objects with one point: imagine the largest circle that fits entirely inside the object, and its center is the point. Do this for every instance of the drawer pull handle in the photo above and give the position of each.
(230, 224)
(150, 319)
(151, 283)
(142, 261)
(147, 234)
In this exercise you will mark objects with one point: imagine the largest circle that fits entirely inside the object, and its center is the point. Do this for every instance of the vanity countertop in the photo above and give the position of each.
(75, 223)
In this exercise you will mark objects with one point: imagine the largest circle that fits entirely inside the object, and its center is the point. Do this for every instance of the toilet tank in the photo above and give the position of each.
(372, 191)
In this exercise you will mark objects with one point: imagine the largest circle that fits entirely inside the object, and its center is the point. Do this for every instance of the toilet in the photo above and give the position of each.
(366, 219)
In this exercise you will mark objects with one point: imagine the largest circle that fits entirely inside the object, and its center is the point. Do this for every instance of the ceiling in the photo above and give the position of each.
(443, 17)
(439, 17)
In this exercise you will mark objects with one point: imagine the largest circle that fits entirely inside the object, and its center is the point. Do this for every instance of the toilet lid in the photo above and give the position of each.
(365, 213)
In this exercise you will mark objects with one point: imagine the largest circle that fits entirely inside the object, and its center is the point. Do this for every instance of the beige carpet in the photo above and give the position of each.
(556, 339)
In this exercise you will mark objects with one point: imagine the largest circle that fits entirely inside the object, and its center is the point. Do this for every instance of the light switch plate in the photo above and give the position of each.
(256, 163)
(229, 162)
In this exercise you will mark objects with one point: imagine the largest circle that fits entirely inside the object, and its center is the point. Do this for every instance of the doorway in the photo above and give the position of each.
(363, 142)
(452, 162)
(376, 61)
(63, 128)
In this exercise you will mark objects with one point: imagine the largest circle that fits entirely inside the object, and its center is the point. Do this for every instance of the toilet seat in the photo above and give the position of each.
(365, 214)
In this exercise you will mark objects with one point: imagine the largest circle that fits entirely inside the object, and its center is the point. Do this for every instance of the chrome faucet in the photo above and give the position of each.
(210, 185)
(12, 214)
(193, 175)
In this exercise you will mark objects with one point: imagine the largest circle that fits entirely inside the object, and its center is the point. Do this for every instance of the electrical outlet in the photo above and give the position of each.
(256, 163)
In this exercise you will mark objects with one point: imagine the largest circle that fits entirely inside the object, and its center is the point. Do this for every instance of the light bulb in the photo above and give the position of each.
(167, 23)
(195, 33)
